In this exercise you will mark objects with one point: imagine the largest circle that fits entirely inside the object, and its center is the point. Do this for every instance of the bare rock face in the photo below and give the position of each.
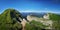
(45, 20)
(23, 24)
(29, 18)
(46, 16)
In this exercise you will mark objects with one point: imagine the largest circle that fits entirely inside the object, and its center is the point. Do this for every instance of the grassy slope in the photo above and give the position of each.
(7, 22)
(53, 17)
(56, 19)
(34, 25)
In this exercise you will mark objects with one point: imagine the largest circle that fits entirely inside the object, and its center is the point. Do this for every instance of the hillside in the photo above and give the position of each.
(46, 23)
(54, 16)
(9, 20)
(50, 21)
(56, 19)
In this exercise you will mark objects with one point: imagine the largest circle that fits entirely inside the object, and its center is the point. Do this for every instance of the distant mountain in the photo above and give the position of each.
(9, 20)
(53, 21)
(24, 14)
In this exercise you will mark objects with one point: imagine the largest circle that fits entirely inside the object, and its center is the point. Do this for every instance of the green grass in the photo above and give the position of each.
(54, 17)
(56, 21)
(34, 25)
(38, 24)
(8, 21)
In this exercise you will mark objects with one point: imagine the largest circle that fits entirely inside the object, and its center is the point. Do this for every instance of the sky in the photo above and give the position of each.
(31, 5)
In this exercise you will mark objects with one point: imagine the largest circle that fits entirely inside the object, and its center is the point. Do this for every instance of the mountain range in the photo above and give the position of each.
(11, 19)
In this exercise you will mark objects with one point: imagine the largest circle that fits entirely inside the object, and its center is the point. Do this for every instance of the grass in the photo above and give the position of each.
(7, 22)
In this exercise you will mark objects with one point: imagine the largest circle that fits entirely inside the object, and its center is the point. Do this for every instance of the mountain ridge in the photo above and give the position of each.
(9, 20)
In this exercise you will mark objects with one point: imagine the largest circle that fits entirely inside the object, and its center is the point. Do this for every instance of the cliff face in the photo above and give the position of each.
(9, 20)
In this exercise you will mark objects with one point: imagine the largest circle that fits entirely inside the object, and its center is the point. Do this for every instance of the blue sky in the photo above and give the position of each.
(31, 5)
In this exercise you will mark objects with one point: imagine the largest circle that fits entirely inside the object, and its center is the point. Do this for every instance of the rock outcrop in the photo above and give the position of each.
(45, 20)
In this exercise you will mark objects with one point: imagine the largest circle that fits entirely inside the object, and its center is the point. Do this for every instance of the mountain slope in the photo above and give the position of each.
(54, 16)
(53, 21)
(56, 21)
(9, 20)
